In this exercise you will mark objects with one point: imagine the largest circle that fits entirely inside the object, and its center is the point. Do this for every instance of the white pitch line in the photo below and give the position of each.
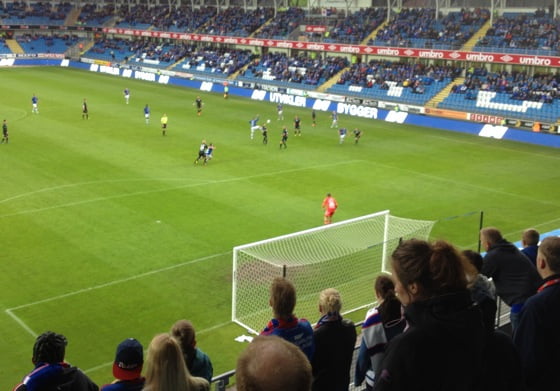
(22, 324)
(68, 185)
(217, 182)
(115, 282)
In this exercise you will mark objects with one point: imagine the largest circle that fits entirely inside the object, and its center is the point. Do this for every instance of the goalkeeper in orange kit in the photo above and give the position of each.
(329, 205)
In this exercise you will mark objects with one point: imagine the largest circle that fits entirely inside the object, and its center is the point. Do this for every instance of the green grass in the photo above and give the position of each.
(107, 230)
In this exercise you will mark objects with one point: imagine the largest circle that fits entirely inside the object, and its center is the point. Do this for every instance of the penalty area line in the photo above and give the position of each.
(115, 282)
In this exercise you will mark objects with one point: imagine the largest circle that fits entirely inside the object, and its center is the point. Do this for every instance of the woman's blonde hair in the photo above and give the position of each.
(165, 367)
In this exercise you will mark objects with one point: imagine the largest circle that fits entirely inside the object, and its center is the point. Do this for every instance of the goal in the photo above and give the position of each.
(347, 255)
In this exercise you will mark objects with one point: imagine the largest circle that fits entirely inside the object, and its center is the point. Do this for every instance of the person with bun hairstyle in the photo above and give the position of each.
(443, 345)
(382, 323)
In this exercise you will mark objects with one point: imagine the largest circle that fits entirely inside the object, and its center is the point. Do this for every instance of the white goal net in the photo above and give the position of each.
(347, 256)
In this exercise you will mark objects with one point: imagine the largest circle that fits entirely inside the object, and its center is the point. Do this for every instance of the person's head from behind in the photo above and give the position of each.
(282, 298)
(49, 348)
(129, 360)
(474, 258)
(424, 270)
(530, 237)
(548, 257)
(183, 331)
(271, 363)
(165, 365)
(489, 236)
(330, 302)
(389, 305)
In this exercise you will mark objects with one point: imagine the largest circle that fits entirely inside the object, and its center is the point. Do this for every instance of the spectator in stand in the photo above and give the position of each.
(381, 325)
(272, 364)
(483, 291)
(285, 324)
(166, 368)
(197, 361)
(515, 278)
(51, 371)
(127, 368)
(443, 346)
(537, 337)
(335, 339)
(530, 242)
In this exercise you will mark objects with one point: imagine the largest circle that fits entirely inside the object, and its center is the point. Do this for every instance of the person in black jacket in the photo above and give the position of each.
(515, 278)
(51, 371)
(443, 346)
(538, 338)
(335, 339)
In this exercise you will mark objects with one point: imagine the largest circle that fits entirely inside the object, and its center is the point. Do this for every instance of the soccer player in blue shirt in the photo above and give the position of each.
(342, 134)
(254, 125)
(147, 114)
(280, 110)
(34, 104)
(126, 93)
(334, 122)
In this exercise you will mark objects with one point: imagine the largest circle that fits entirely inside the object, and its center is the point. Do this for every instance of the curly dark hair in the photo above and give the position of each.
(50, 348)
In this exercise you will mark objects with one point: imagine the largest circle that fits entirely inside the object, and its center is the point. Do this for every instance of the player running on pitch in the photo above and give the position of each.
(329, 205)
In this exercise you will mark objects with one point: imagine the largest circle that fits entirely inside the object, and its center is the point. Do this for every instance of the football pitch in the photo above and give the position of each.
(108, 230)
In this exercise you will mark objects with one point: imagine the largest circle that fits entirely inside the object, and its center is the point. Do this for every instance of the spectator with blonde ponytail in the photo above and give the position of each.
(382, 323)
(335, 339)
(443, 344)
(166, 368)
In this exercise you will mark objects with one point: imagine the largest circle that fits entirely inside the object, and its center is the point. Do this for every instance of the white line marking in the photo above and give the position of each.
(59, 187)
(22, 324)
(217, 182)
(115, 282)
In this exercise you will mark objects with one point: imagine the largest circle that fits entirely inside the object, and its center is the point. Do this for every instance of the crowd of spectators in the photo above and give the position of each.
(523, 31)
(219, 60)
(352, 29)
(419, 27)
(237, 22)
(284, 23)
(92, 15)
(302, 69)
(519, 85)
(37, 12)
(47, 43)
(410, 75)
(436, 310)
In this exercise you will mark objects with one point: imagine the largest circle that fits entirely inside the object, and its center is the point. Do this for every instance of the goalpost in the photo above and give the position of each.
(347, 255)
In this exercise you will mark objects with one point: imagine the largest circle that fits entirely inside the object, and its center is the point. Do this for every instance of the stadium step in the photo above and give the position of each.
(72, 17)
(440, 96)
(373, 34)
(471, 43)
(14, 46)
(329, 83)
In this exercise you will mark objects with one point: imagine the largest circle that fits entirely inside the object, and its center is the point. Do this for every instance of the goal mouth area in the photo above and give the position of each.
(346, 255)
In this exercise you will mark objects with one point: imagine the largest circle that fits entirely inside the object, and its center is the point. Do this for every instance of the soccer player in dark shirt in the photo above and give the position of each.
(264, 134)
(4, 132)
(85, 114)
(297, 126)
(199, 104)
(201, 152)
(357, 134)
(284, 138)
